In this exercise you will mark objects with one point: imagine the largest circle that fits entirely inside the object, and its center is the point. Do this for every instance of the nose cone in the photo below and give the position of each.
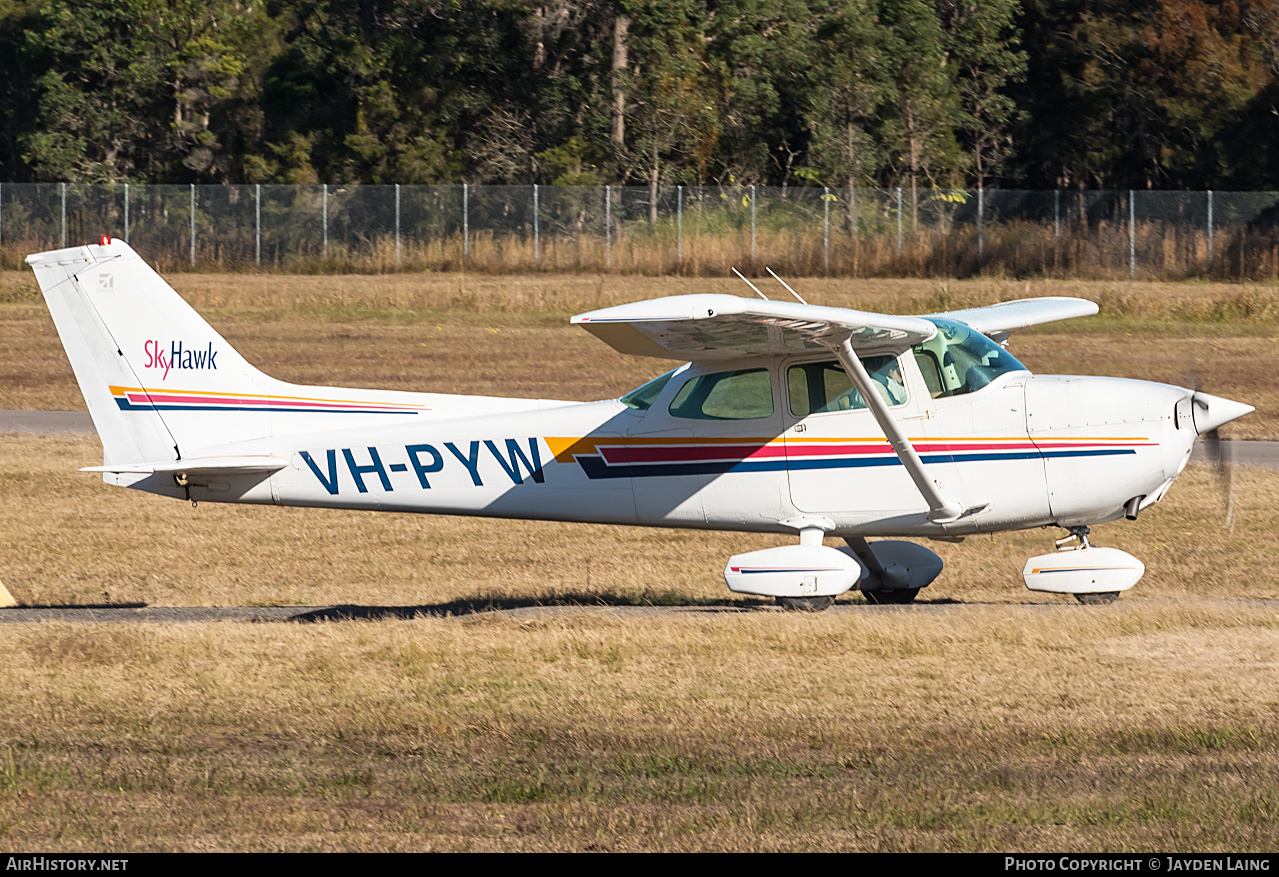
(1211, 412)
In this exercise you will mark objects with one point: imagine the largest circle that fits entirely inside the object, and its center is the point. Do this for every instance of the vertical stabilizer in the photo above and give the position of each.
(143, 357)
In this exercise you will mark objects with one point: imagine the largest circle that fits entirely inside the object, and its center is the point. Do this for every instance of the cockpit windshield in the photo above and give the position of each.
(642, 398)
(959, 360)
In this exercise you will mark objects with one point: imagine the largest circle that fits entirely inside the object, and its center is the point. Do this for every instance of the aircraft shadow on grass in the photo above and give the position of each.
(482, 605)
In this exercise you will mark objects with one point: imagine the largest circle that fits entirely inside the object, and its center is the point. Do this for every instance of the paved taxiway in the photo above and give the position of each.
(105, 614)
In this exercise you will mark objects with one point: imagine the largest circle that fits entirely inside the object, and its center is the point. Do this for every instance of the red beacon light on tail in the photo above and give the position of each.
(104, 240)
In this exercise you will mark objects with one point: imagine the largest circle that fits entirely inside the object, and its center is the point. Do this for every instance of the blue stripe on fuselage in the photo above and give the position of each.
(595, 467)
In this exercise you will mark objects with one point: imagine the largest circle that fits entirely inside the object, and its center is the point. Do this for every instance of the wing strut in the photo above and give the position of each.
(940, 509)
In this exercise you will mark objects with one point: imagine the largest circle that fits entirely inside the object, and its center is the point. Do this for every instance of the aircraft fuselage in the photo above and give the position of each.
(1024, 451)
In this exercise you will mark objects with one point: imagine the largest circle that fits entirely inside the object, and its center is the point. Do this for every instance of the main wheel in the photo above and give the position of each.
(1101, 599)
(897, 597)
(806, 604)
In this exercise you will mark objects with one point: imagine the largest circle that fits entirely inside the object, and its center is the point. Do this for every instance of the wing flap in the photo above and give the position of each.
(725, 326)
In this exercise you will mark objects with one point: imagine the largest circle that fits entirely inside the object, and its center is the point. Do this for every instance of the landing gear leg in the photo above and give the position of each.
(1080, 534)
(1077, 534)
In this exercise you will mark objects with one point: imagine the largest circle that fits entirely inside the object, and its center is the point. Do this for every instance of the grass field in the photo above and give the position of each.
(986, 718)
(509, 335)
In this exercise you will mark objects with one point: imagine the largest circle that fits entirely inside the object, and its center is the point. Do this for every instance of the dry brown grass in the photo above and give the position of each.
(971, 724)
(569, 241)
(508, 335)
(975, 724)
(981, 729)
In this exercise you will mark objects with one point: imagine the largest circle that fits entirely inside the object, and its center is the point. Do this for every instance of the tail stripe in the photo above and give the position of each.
(148, 399)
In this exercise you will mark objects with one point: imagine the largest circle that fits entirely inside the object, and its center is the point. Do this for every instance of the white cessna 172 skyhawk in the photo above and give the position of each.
(790, 419)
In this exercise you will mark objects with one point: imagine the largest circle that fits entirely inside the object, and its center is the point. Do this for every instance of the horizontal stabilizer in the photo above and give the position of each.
(201, 465)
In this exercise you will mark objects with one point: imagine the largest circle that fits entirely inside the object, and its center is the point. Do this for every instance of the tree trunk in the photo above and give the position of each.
(617, 136)
(852, 180)
(652, 190)
(912, 141)
(538, 17)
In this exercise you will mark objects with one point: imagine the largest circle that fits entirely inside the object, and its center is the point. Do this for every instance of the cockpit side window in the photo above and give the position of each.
(817, 387)
(930, 368)
(746, 394)
(642, 398)
(959, 360)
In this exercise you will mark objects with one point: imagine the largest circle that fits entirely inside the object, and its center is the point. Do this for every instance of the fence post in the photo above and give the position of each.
(1, 214)
(1132, 236)
(826, 228)
(608, 226)
(679, 226)
(466, 222)
(899, 220)
(257, 223)
(193, 224)
(325, 219)
(981, 241)
(1210, 229)
(64, 214)
(752, 226)
(537, 256)
(397, 225)
(126, 213)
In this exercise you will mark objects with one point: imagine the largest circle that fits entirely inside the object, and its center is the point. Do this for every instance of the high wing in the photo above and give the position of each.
(711, 326)
(998, 320)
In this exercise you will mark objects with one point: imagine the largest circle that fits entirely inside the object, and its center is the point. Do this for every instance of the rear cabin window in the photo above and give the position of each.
(818, 387)
(739, 395)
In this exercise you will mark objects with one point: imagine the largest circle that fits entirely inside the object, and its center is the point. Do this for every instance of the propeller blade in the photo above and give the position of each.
(1221, 453)
(1210, 413)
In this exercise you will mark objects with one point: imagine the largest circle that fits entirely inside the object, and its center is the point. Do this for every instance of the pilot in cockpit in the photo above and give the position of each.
(888, 375)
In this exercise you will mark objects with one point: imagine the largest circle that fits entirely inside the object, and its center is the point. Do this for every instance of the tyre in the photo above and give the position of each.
(1102, 599)
(899, 597)
(806, 604)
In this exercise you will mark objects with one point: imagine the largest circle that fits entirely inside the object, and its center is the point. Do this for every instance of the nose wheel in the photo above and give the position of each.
(1101, 599)
(1094, 576)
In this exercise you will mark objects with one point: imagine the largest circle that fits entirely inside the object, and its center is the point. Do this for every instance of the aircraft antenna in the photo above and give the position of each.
(784, 283)
(751, 285)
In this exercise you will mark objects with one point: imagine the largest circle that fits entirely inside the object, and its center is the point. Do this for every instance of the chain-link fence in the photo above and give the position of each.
(694, 230)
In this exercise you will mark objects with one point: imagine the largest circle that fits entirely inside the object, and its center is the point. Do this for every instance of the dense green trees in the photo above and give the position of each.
(138, 89)
(916, 93)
